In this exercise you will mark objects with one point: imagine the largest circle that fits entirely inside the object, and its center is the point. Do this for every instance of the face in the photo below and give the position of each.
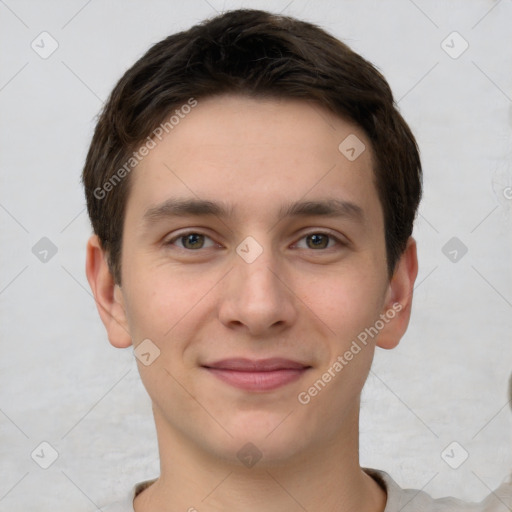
(253, 257)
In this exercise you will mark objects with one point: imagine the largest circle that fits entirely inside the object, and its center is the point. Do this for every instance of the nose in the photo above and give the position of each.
(257, 299)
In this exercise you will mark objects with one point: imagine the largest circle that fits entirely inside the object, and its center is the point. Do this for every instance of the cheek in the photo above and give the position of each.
(163, 299)
(347, 301)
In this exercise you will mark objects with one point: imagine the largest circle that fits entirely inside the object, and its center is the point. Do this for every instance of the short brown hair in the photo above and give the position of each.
(258, 54)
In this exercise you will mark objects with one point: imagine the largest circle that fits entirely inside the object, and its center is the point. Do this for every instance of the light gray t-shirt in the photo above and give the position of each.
(398, 499)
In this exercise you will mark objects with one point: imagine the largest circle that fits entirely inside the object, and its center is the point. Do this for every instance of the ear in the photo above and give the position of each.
(107, 294)
(398, 303)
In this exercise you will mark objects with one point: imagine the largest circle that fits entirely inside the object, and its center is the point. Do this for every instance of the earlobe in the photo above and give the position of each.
(399, 298)
(107, 295)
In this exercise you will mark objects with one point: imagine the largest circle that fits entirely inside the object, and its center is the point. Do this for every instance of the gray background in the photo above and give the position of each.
(61, 382)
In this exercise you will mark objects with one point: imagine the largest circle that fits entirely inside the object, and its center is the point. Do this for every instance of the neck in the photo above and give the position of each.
(325, 477)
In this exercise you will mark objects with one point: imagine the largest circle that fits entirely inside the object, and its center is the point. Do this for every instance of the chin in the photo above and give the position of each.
(266, 437)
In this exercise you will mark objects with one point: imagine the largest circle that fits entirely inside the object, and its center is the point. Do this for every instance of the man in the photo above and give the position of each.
(252, 191)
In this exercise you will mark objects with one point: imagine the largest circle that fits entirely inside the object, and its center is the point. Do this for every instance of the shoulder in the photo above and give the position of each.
(500, 500)
(414, 500)
(398, 499)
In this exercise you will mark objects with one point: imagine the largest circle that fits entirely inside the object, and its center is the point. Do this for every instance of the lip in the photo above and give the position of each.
(257, 375)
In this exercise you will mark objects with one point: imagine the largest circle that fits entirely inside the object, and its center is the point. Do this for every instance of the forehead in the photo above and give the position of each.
(255, 151)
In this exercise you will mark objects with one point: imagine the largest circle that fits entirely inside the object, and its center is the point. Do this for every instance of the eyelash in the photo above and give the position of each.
(324, 233)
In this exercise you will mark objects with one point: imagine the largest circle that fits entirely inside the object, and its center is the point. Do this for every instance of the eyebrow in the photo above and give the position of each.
(185, 207)
(201, 207)
(326, 208)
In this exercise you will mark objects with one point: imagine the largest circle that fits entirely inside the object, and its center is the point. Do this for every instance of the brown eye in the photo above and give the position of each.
(192, 241)
(317, 241)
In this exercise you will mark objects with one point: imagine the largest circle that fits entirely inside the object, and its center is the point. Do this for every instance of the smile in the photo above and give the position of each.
(257, 375)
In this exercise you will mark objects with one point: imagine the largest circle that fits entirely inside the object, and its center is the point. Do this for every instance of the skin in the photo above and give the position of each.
(295, 300)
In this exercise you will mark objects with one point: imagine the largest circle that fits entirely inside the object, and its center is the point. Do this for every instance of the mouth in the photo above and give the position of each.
(257, 375)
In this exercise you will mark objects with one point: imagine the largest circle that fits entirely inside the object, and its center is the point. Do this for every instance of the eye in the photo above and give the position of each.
(192, 241)
(318, 241)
